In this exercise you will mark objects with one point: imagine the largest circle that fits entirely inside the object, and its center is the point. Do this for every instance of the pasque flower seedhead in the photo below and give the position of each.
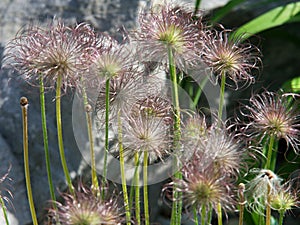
(202, 187)
(167, 27)
(229, 57)
(272, 114)
(86, 208)
(57, 50)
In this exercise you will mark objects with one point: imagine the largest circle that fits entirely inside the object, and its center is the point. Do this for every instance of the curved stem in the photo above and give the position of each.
(106, 130)
(222, 96)
(59, 135)
(145, 175)
(219, 213)
(122, 168)
(177, 204)
(199, 91)
(4, 210)
(45, 138)
(24, 105)
(137, 189)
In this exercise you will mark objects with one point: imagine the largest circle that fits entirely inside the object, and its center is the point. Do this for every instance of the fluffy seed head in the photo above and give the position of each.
(285, 198)
(57, 50)
(271, 114)
(147, 128)
(202, 187)
(264, 184)
(229, 57)
(224, 149)
(110, 59)
(168, 28)
(84, 208)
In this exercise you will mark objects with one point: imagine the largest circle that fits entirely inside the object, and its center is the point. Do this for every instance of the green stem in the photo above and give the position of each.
(268, 207)
(209, 215)
(281, 216)
(4, 210)
(195, 214)
(24, 105)
(95, 184)
(199, 91)
(222, 96)
(137, 189)
(219, 213)
(145, 175)
(106, 130)
(88, 118)
(269, 154)
(203, 215)
(177, 204)
(45, 137)
(133, 184)
(122, 168)
(59, 135)
(197, 6)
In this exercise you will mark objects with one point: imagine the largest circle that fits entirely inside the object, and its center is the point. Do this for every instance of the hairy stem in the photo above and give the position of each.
(219, 210)
(137, 189)
(95, 184)
(45, 138)
(145, 175)
(177, 204)
(122, 168)
(59, 135)
(203, 214)
(222, 96)
(269, 165)
(281, 216)
(106, 130)
(24, 106)
(268, 207)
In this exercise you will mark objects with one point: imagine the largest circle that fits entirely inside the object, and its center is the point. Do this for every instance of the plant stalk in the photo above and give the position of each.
(281, 216)
(4, 210)
(177, 204)
(24, 106)
(137, 189)
(106, 144)
(59, 135)
(222, 97)
(122, 168)
(219, 210)
(145, 175)
(45, 138)
(269, 165)
(268, 207)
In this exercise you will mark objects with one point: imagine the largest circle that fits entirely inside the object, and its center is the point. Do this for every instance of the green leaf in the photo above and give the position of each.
(270, 19)
(292, 85)
(225, 10)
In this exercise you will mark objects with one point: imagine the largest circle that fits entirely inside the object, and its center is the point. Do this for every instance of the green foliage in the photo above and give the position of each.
(292, 85)
(273, 18)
